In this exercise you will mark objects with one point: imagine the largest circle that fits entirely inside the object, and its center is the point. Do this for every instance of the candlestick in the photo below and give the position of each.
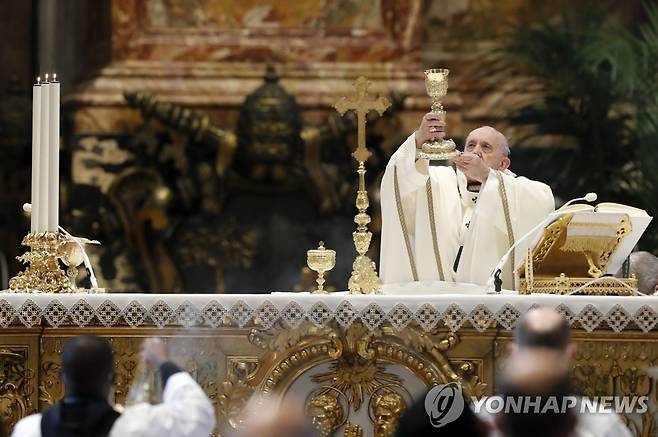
(42, 207)
(35, 226)
(53, 155)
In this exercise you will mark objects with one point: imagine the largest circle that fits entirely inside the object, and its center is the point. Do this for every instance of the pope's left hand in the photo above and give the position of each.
(472, 166)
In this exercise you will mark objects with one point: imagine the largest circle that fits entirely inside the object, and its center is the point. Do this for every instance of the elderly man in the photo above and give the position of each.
(85, 411)
(454, 223)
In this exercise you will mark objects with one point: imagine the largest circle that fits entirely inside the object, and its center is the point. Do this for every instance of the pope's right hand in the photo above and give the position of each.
(432, 127)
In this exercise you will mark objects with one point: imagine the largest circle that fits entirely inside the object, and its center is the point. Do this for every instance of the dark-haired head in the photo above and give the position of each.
(540, 375)
(87, 367)
(416, 422)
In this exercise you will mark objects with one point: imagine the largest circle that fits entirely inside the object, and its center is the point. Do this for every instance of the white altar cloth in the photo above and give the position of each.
(481, 311)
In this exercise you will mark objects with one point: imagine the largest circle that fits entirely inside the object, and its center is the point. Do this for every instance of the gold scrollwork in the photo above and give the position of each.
(360, 361)
(15, 385)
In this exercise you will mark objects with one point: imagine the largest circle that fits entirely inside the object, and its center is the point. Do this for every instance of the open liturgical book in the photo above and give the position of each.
(581, 248)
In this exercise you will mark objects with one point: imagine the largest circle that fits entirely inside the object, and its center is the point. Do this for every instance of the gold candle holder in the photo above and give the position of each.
(436, 84)
(43, 273)
(321, 260)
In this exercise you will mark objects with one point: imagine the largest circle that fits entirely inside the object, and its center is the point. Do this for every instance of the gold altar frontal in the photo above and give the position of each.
(355, 361)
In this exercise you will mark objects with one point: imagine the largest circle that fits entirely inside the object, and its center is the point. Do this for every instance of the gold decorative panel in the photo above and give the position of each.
(355, 378)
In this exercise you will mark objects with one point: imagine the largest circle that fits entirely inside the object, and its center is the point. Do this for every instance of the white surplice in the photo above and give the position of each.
(185, 411)
(474, 221)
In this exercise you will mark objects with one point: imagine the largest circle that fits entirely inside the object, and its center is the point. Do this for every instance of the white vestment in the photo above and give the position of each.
(185, 411)
(477, 222)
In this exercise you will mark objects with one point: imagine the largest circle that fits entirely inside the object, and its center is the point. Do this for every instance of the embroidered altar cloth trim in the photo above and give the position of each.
(481, 311)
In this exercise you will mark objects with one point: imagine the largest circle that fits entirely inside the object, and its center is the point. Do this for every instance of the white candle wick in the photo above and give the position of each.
(54, 77)
(38, 80)
(46, 77)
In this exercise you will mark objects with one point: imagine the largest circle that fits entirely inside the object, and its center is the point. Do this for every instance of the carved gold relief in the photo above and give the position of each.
(51, 389)
(386, 409)
(361, 363)
(236, 389)
(354, 360)
(619, 368)
(15, 385)
(325, 410)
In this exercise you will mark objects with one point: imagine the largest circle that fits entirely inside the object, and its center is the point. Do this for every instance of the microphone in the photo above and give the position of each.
(494, 279)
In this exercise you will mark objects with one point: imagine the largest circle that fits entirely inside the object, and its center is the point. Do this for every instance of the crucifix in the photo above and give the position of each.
(364, 279)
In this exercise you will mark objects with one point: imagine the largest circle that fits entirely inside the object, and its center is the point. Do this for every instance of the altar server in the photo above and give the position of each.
(454, 223)
(88, 375)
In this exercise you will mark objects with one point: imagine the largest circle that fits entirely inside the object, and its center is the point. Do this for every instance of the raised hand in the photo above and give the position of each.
(432, 127)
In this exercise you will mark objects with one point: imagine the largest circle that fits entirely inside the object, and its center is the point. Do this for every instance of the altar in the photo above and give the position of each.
(361, 347)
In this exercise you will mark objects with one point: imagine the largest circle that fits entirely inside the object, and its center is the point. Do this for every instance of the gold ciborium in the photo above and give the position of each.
(436, 83)
(321, 260)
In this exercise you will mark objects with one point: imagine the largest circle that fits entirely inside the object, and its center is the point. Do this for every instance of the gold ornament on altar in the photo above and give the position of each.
(353, 430)
(325, 411)
(43, 273)
(321, 260)
(436, 83)
(364, 278)
(386, 407)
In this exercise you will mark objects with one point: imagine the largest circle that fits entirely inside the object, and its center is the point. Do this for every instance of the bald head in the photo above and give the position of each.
(492, 136)
(645, 267)
(542, 327)
(490, 145)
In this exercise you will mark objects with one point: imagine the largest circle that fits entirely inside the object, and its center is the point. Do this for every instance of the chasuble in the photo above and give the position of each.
(436, 227)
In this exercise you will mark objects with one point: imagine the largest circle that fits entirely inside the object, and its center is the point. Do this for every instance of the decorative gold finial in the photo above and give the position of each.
(364, 279)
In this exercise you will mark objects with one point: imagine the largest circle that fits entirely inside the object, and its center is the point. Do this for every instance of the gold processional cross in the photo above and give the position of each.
(364, 279)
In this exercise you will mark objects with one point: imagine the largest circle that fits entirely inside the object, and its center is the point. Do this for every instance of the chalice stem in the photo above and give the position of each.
(320, 281)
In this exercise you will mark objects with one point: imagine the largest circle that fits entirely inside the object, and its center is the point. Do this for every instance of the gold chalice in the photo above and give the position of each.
(71, 254)
(436, 83)
(321, 260)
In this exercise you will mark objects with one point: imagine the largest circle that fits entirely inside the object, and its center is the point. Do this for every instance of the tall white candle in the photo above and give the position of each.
(42, 208)
(36, 140)
(53, 146)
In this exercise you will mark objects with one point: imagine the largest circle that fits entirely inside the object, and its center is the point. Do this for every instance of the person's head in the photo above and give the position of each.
(645, 267)
(87, 367)
(544, 328)
(416, 422)
(537, 374)
(490, 145)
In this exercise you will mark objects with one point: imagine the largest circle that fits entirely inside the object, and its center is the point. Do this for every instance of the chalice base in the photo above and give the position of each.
(439, 150)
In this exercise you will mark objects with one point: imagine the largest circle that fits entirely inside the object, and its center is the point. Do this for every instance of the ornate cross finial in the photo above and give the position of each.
(361, 103)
